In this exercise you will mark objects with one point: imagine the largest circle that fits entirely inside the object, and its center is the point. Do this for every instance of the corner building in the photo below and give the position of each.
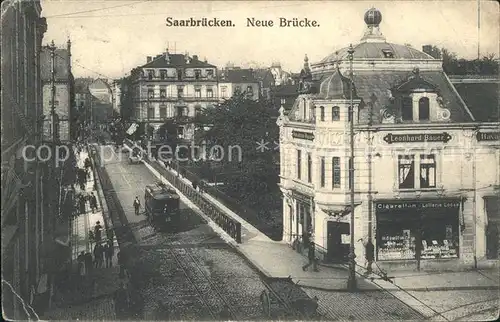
(425, 172)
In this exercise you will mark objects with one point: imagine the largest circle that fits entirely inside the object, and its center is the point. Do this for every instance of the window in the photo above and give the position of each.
(322, 166)
(137, 113)
(180, 91)
(210, 92)
(283, 101)
(151, 112)
(423, 109)
(179, 74)
(151, 93)
(223, 91)
(388, 53)
(322, 113)
(407, 109)
(299, 161)
(197, 92)
(406, 164)
(335, 113)
(309, 168)
(151, 74)
(210, 73)
(163, 74)
(336, 175)
(163, 111)
(427, 171)
(237, 90)
(180, 132)
(197, 74)
(163, 93)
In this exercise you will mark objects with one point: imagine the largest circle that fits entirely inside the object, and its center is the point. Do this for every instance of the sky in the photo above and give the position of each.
(109, 37)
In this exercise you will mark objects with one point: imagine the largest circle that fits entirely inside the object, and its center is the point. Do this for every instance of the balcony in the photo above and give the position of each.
(176, 79)
(184, 98)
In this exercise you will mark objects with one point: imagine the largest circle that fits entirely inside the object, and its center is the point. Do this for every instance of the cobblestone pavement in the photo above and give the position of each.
(194, 274)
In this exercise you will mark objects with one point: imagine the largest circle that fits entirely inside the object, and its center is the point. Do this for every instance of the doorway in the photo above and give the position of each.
(337, 252)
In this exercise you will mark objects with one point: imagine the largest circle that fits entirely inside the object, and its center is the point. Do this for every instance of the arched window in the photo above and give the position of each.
(322, 113)
(335, 113)
(423, 109)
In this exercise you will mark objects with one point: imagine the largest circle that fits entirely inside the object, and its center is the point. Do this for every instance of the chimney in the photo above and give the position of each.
(149, 59)
(186, 57)
(195, 57)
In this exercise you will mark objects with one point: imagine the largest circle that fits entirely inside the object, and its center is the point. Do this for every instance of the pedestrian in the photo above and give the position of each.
(369, 255)
(100, 255)
(82, 204)
(93, 202)
(121, 262)
(109, 252)
(88, 262)
(137, 205)
(121, 302)
(311, 255)
(81, 268)
(97, 232)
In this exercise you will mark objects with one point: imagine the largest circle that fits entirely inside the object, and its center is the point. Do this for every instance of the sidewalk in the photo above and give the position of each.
(94, 299)
(438, 296)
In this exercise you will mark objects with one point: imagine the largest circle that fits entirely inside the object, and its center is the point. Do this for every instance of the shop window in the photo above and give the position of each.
(309, 168)
(322, 165)
(335, 113)
(427, 171)
(406, 164)
(336, 174)
(423, 109)
(322, 113)
(299, 161)
(407, 109)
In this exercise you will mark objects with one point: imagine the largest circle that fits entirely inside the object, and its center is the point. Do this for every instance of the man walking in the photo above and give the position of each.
(93, 202)
(109, 252)
(369, 255)
(137, 205)
(311, 255)
(82, 203)
(97, 232)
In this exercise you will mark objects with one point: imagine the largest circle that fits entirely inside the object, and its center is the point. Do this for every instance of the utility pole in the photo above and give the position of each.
(53, 115)
(351, 282)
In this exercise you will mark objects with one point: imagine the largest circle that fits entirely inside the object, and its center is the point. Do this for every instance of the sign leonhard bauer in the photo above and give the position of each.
(410, 138)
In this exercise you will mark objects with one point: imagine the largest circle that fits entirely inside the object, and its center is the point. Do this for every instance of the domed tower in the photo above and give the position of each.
(373, 18)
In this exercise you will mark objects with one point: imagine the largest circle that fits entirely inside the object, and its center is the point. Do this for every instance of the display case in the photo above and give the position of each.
(397, 247)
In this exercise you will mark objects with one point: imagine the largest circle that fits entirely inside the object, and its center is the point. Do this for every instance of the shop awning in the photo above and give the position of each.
(492, 205)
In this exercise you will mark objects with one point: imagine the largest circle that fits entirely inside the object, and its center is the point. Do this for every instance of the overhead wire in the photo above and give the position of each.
(94, 10)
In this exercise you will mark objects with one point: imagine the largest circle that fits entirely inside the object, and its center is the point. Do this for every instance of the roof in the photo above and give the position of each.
(375, 87)
(481, 99)
(62, 70)
(265, 76)
(375, 50)
(336, 86)
(82, 84)
(237, 76)
(176, 60)
(286, 90)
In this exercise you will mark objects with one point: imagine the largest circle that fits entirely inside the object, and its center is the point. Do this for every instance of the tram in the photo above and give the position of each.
(161, 204)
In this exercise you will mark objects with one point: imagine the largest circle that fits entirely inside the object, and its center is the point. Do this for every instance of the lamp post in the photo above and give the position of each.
(351, 282)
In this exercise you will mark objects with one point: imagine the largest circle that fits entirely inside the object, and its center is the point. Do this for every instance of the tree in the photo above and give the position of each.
(452, 65)
(240, 124)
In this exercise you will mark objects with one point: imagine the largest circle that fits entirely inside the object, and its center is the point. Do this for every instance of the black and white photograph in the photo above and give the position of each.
(168, 160)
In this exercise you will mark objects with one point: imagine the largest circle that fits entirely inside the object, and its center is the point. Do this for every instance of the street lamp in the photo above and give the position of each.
(351, 282)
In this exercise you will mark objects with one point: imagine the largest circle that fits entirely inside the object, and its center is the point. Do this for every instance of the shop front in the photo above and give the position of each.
(304, 218)
(417, 229)
(492, 205)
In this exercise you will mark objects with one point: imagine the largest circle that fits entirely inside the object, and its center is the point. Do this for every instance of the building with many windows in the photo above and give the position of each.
(236, 81)
(172, 86)
(426, 173)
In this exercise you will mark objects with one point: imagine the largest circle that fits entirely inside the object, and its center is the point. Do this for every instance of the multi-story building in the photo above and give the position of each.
(172, 86)
(116, 90)
(426, 173)
(25, 213)
(235, 81)
(102, 101)
(64, 91)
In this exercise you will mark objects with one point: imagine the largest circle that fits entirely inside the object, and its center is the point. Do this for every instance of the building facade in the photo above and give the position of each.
(236, 81)
(25, 216)
(64, 91)
(172, 86)
(426, 173)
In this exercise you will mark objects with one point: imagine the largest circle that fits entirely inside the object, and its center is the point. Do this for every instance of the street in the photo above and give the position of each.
(194, 273)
